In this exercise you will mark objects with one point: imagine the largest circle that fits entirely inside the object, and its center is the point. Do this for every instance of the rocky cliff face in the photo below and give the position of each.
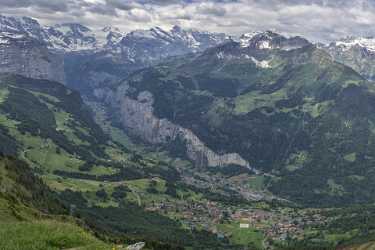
(28, 57)
(138, 119)
(357, 53)
(145, 46)
(270, 40)
(114, 55)
(358, 59)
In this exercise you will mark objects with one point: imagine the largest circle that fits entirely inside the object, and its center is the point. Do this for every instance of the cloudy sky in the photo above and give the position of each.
(318, 20)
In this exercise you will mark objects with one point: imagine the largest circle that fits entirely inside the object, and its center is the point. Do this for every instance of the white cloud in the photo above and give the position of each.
(140, 15)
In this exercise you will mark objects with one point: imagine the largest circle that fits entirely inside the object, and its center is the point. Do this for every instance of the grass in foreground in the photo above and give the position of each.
(47, 234)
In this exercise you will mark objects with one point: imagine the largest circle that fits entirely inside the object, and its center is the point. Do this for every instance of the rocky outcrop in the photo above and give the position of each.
(138, 119)
(357, 53)
(28, 57)
(271, 40)
(136, 246)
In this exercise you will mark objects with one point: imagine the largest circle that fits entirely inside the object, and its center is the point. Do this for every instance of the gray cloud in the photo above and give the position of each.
(12, 3)
(322, 20)
(211, 9)
(50, 5)
(101, 9)
(121, 4)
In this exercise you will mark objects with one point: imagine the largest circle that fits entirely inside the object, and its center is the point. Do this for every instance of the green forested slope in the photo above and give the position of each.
(100, 181)
(295, 114)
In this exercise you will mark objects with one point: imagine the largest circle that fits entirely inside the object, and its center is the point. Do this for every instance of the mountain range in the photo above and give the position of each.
(73, 37)
(111, 48)
(178, 137)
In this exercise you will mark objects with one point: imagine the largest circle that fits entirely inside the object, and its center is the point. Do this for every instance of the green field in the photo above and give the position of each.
(3, 95)
(47, 234)
(257, 182)
(242, 236)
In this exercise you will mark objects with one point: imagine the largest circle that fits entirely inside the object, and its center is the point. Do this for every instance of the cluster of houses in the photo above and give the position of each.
(205, 214)
(253, 217)
(283, 230)
(276, 225)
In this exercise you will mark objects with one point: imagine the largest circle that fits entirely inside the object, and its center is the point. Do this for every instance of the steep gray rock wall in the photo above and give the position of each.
(358, 58)
(30, 58)
(138, 119)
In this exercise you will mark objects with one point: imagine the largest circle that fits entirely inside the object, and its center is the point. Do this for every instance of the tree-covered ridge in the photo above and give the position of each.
(49, 126)
(296, 114)
(48, 110)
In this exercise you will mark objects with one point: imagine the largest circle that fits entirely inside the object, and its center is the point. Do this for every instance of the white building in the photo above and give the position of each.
(244, 225)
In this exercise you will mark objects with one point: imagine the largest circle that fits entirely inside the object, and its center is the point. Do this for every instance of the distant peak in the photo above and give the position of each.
(158, 29)
(251, 34)
(268, 34)
(107, 29)
(29, 19)
(71, 36)
(75, 27)
(110, 29)
(349, 42)
(18, 18)
(247, 38)
(269, 39)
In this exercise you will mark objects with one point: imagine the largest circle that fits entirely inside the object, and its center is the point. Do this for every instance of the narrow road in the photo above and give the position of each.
(139, 201)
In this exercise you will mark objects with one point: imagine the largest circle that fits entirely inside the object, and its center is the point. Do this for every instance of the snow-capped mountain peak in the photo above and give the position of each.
(110, 36)
(191, 39)
(258, 39)
(21, 25)
(71, 37)
(355, 52)
(350, 42)
(271, 40)
(60, 37)
(75, 37)
(246, 38)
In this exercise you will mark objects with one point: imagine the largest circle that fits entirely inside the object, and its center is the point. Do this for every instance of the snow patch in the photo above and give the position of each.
(261, 64)
(220, 55)
(4, 40)
(264, 45)
(364, 42)
(246, 38)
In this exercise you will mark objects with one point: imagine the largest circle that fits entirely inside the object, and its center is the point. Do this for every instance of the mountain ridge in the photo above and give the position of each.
(356, 52)
(275, 105)
(75, 37)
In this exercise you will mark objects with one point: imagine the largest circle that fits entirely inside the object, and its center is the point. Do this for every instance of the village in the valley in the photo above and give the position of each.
(274, 224)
